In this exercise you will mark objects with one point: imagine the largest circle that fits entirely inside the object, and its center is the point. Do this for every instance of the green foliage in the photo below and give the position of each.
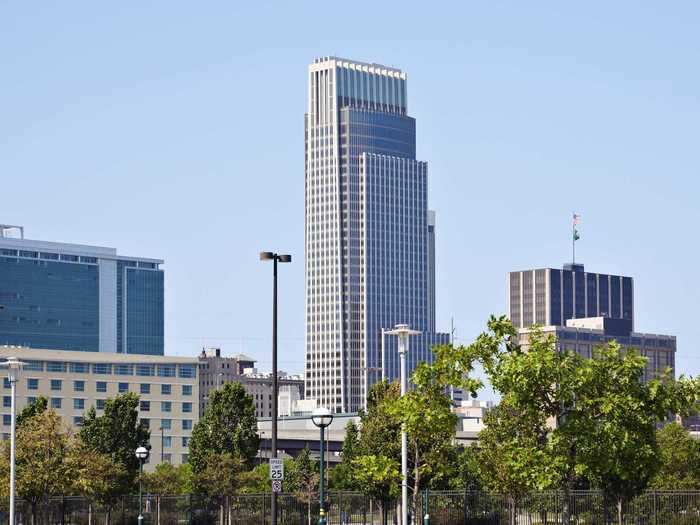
(97, 476)
(302, 476)
(38, 406)
(256, 480)
(117, 433)
(228, 426)
(219, 475)
(679, 458)
(169, 480)
(378, 476)
(341, 476)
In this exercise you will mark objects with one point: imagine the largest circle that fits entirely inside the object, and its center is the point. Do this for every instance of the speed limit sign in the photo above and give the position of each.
(276, 469)
(276, 485)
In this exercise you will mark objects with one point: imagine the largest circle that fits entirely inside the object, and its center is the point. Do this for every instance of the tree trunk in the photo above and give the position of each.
(89, 513)
(511, 511)
(620, 513)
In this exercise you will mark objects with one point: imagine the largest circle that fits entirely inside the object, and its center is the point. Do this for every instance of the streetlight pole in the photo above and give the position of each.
(403, 332)
(275, 258)
(162, 442)
(322, 417)
(142, 455)
(14, 367)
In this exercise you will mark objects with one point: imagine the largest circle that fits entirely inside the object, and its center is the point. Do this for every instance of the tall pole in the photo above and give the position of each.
(274, 380)
(13, 430)
(403, 340)
(162, 442)
(321, 491)
(140, 518)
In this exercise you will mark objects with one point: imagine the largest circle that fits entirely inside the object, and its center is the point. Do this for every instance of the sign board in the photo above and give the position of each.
(276, 485)
(276, 469)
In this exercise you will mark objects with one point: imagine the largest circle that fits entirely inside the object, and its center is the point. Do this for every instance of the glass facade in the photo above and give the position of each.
(368, 241)
(72, 301)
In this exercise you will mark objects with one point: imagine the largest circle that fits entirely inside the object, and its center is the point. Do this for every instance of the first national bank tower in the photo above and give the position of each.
(369, 237)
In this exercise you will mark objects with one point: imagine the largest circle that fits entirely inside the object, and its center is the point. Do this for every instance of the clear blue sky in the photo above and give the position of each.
(175, 130)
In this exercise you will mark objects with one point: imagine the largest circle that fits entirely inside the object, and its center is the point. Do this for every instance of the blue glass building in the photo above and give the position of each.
(73, 297)
(369, 235)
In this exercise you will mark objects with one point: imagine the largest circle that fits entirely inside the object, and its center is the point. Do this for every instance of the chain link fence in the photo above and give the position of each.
(349, 508)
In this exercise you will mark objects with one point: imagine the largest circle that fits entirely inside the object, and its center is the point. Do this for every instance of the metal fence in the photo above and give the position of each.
(348, 508)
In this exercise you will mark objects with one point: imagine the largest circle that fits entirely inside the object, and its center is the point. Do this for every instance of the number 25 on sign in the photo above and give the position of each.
(276, 469)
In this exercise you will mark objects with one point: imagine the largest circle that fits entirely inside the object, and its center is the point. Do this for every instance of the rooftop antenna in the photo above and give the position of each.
(5, 228)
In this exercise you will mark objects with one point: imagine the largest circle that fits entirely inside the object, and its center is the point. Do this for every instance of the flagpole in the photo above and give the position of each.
(573, 239)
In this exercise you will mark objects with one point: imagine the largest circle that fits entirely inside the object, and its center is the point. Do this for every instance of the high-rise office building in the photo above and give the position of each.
(74, 297)
(369, 234)
(550, 297)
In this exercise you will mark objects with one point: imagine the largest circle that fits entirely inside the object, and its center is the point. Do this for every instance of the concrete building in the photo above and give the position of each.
(369, 237)
(168, 388)
(582, 335)
(215, 370)
(550, 297)
(74, 297)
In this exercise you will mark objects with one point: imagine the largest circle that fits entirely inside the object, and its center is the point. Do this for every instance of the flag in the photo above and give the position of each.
(577, 219)
(576, 236)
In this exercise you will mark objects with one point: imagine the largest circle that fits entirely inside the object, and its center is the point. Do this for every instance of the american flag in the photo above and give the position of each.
(577, 219)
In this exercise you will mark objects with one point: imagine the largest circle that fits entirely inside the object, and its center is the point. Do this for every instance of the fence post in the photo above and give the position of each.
(656, 510)
(262, 510)
(426, 507)
(464, 506)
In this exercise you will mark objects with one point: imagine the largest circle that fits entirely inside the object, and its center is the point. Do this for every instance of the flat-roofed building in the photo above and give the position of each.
(168, 388)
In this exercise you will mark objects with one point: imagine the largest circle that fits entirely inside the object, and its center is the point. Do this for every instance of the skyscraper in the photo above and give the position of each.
(369, 238)
(61, 296)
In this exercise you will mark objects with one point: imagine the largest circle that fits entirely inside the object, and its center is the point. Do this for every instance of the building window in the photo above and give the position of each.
(32, 383)
(166, 424)
(78, 404)
(185, 458)
(166, 370)
(145, 370)
(55, 402)
(7, 401)
(145, 388)
(56, 385)
(100, 404)
(31, 400)
(5, 382)
(35, 366)
(6, 420)
(186, 424)
(101, 386)
(146, 423)
(185, 442)
(186, 390)
(123, 387)
(167, 441)
(166, 406)
(78, 421)
(145, 406)
(188, 371)
(187, 407)
(102, 368)
(79, 368)
(124, 370)
(55, 366)
(79, 386)
(166, 390)
(167, 458)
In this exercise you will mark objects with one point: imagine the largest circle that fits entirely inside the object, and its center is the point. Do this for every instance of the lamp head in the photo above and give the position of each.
(14, 367)
(284, 258)
(266, 256)
(322, 417)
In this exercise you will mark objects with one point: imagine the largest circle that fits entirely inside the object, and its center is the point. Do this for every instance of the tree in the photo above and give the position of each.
(303, 478)
(380, 479)
(218, 477)
(42, 466)
(228, 426)
(38, 406)
(341, 477)
(117, 433)
(168, 480)
(679, 458)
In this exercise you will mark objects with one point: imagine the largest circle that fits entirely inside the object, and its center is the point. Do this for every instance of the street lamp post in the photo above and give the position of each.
(403, 332)
(162, 442)
(322, 417)
(275, 258)
(14, 368)
(142, 454)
